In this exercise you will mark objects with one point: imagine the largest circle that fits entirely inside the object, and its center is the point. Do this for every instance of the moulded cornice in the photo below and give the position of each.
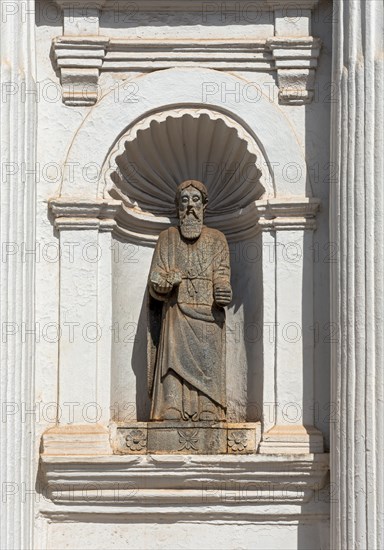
(84, 208)
(289, 206)
(144, 481)
(291, 213)
(295, 59)
(80, 59)
(82, 214)
(184, 5)
(287, 213)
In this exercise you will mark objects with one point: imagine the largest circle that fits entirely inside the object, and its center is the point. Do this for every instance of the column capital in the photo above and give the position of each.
(292, 213)
(84, 214)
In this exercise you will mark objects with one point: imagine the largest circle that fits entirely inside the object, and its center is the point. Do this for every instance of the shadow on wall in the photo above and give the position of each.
(139, 363)
(317, 147)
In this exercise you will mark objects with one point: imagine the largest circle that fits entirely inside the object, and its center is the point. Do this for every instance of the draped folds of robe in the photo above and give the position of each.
(186, 342)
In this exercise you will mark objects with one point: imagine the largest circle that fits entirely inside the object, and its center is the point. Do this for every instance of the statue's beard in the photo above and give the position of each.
(191, 224)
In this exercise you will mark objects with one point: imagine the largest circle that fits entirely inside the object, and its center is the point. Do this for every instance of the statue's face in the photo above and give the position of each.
(191, 213)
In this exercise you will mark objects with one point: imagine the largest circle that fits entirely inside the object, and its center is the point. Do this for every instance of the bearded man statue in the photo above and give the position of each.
(189, 285)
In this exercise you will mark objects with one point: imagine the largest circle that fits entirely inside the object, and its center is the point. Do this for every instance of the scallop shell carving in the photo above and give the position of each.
(164, 149)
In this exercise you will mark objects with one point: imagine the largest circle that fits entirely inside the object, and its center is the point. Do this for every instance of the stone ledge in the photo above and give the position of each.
(137, 481)
(270, 214)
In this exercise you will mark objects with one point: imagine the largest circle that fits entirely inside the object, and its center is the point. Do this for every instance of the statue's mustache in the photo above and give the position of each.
(191, 212)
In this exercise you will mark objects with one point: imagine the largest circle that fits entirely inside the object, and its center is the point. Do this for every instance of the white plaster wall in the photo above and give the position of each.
(317, 144)
(184, 536)
(56, 129)
(131, 265)
(56, 125)
(244, 332)
(211, 22)
(311, 125)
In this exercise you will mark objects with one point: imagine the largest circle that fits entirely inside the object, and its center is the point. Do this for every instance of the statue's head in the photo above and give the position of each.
(191, 202)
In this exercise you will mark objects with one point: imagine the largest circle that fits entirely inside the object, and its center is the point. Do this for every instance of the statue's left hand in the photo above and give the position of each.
(222, 295)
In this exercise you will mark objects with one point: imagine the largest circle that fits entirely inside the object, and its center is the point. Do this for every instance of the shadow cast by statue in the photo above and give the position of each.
(139, 364)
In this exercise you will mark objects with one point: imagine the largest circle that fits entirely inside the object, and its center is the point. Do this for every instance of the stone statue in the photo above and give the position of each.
(189, 285)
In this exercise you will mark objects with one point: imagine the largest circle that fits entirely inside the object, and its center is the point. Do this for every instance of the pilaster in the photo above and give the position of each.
(85, 321)
(287, 227)
(17, 216)
(357, 438)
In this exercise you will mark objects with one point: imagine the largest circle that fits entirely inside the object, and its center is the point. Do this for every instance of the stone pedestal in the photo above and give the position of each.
(292, 440)
(186, 438)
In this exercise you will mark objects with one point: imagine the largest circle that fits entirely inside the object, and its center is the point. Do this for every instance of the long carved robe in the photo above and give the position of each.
(186, 371)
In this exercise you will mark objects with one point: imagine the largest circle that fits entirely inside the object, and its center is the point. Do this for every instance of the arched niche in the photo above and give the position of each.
(142, 172)
(282, 208)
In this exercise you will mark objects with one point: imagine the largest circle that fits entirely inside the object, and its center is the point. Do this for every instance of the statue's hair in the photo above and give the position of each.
(192, 183)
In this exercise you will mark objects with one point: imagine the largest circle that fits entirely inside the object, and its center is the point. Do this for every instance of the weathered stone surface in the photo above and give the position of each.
(186, 438)
(130, 438)
(243, 438)
(189, 285)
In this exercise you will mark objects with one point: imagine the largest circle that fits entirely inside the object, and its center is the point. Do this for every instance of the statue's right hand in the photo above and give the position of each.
(159, 283)
(174, 277)
(164, 282)
(163, 288)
